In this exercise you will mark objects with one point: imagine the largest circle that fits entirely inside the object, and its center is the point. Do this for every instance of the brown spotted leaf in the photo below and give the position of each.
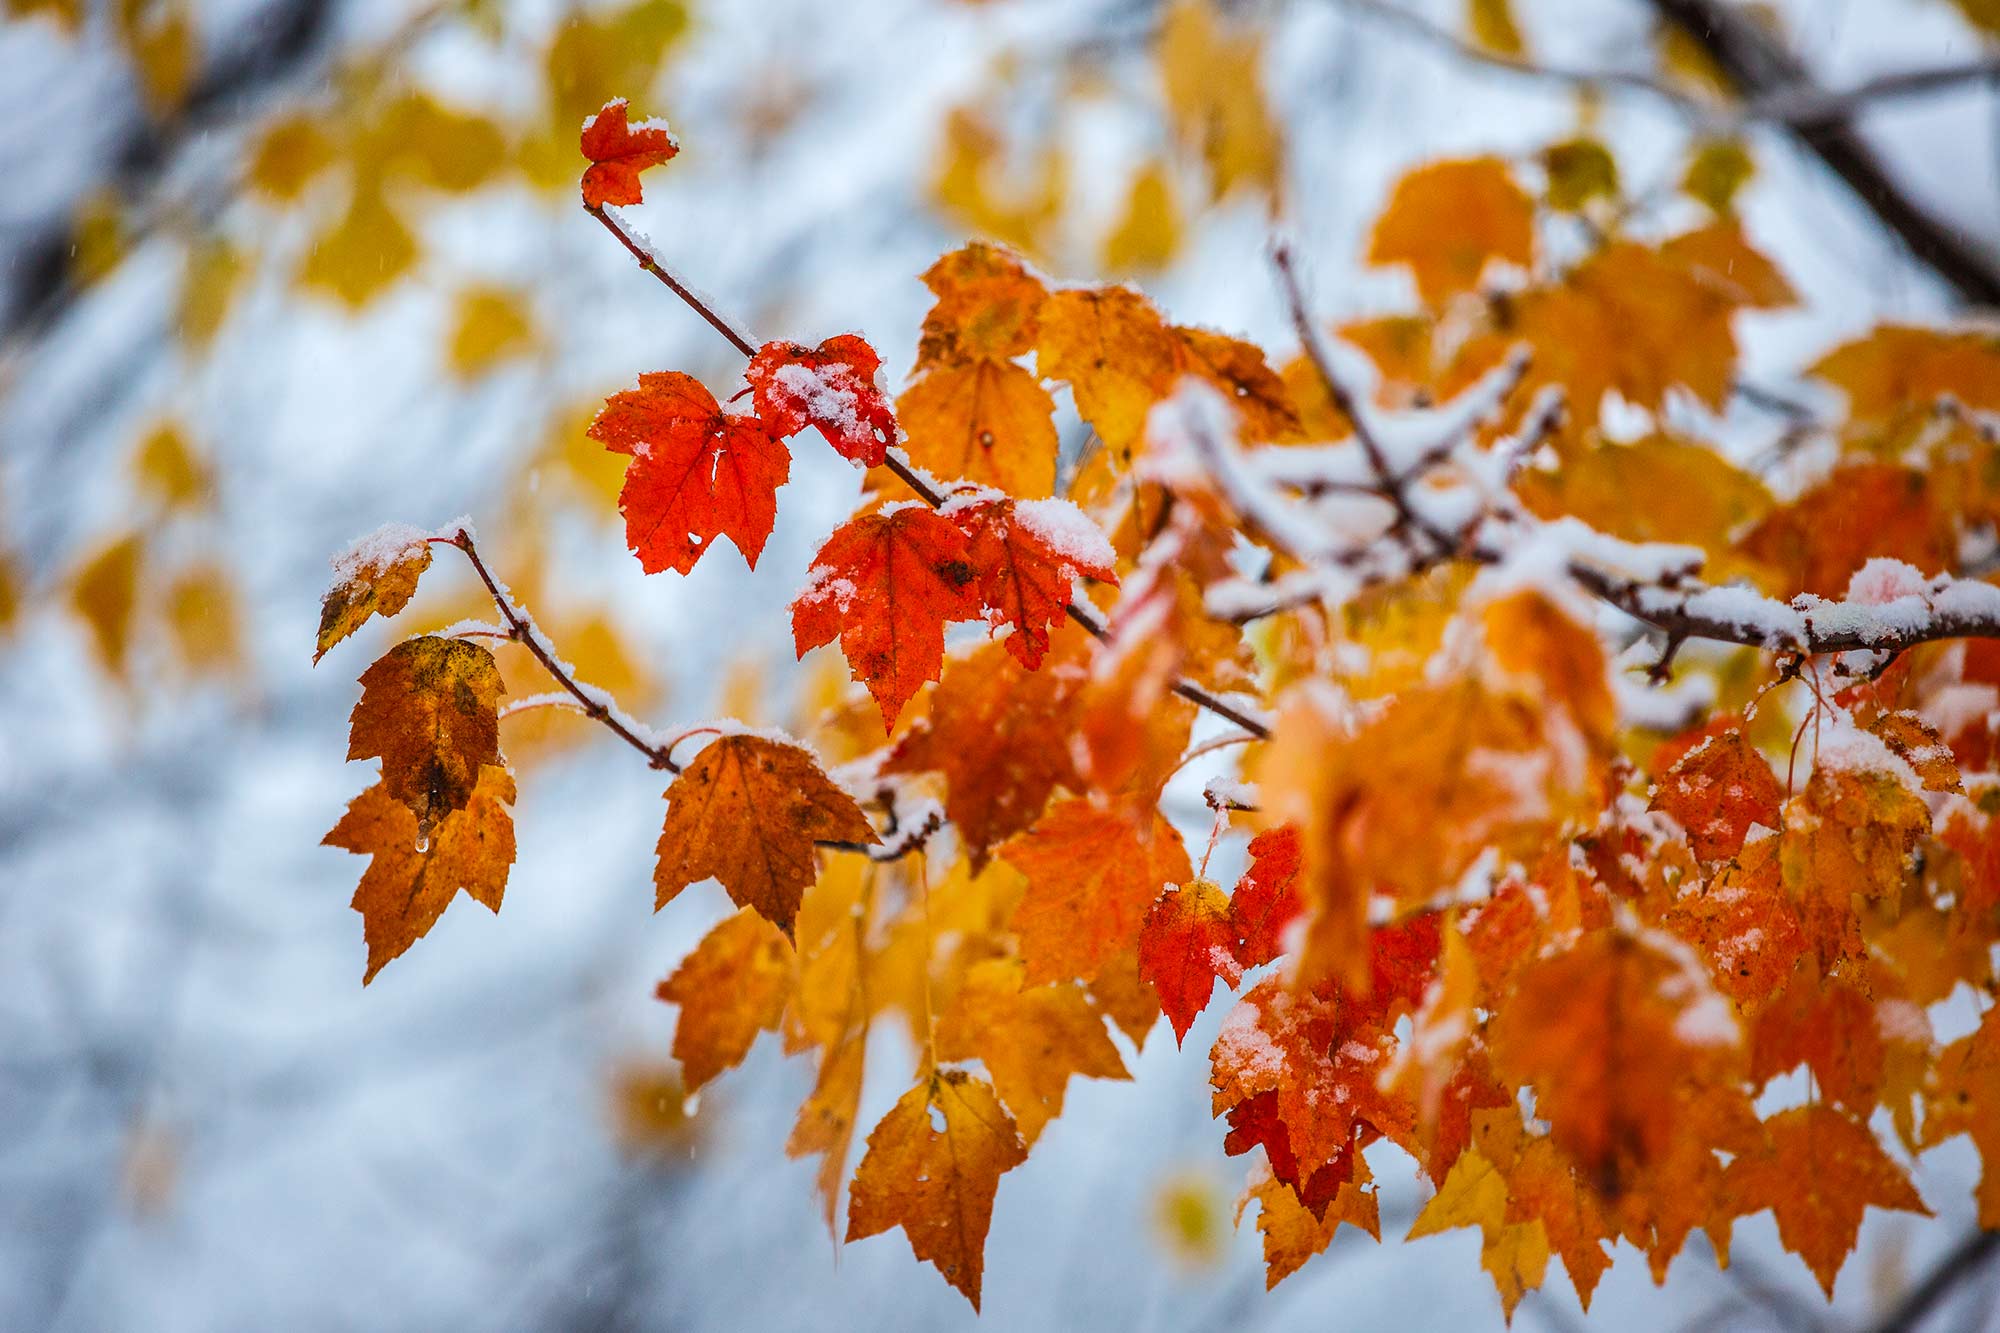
(430, 708)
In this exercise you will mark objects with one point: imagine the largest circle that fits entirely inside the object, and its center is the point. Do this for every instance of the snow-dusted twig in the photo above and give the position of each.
(594, 703)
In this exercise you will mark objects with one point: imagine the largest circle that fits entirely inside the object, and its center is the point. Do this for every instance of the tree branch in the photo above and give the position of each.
(594, 703)
(1762, 68)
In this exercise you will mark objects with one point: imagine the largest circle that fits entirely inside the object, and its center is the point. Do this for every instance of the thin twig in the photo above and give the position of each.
(523, 630)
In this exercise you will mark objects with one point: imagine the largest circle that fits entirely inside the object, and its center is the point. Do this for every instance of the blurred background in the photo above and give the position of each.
(278, 271)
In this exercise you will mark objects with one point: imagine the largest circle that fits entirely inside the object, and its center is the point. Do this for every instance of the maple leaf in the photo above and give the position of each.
(1722, 256)
(1830, 1028)
(1448, 220)
(1092, 875)
(1717, 791)
(1401, 806)
(885, 584)
(1965, 1099)
(1032, 1039)
(825, 1125)
(410, 881)
(1608, 1031)
(730, 988)
(830, 387)
(998, 733)
(1821, 1172)
(1533, 640)
(988, 421)
(618, 152)
(988, 307)
(1187, 944)
(1897, 367)
(1746, 923)
(1861, 511)
(1266, 899)
(747, 811)
(1026, 554)
(1265, 412)
(1300, 1072)
(937, 1182)
(696, 473)
(1655, 489)
(1115, 351)
(1514, 1254)
(430, 708)
(375, 577)
(1847, 840)
(1292, 1234)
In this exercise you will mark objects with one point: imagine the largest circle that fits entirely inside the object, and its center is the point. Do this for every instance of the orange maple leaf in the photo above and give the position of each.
(1091, 877)
(831, 387)
(937, 1181)
(1608, 1032)
(886, 584)
(618, 152)
(410, 881)
(1032, 1039)
(747, 811)
(1821, 1172)
(430, 708)
(1447, 220)
(730, 988)
(1717, 791)
(998, 734)
(696, 473)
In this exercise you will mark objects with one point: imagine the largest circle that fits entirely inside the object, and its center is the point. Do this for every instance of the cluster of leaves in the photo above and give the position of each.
(1563, 949)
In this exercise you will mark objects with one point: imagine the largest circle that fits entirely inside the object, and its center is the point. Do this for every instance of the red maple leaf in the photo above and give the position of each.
(1267, 897)
(1026, 553)
(1187, 943)
(696, 472)
(831, 386)
(618, 152)
(886, 583)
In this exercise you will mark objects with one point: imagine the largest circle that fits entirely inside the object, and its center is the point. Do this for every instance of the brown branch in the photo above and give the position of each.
(1760, 67)
(593, 704)
(1797, 106)
(654, 267)
(521, 628)
(899, 464)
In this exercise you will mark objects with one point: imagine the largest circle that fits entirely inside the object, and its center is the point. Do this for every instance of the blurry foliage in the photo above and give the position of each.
(1028, 951)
